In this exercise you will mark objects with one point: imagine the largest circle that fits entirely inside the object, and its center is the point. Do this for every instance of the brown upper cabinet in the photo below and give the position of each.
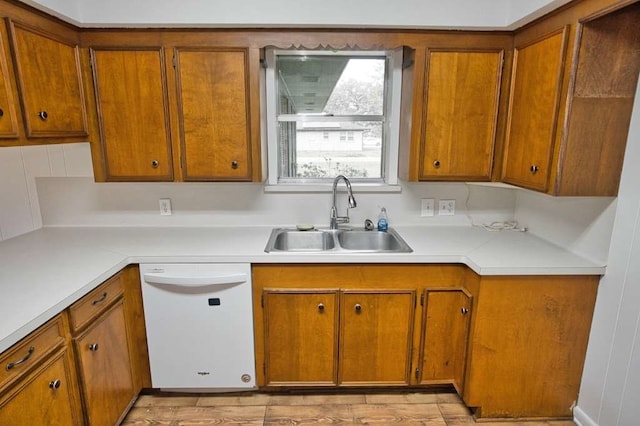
(49, 80)
(534, 104)
(8, 117)
(213, 101)
(460, 114)
(569, 114)
(133, 115)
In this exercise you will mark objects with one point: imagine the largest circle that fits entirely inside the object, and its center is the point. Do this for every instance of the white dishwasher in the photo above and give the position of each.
(199, 326)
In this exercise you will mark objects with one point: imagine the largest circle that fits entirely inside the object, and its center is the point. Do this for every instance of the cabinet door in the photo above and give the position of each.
(444, 337)
(533, 111)
(105, 368)
(48, 396)
(301, 337)
(8, 118)
(50, 83)
(214, 115)
(461, 112)
(376, 329)
(133, 114)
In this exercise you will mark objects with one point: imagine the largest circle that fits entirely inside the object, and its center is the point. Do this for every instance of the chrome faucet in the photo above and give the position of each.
(333, 213)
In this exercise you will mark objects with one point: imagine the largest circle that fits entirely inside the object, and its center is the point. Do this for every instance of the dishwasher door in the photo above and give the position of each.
(199, 324)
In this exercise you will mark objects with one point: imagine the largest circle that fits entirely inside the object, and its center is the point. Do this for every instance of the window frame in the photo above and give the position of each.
(390, 121)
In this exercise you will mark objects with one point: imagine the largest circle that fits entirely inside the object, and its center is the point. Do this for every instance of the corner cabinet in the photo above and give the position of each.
(133, 113)
(571, 100)
(49, 78)
(213, 111)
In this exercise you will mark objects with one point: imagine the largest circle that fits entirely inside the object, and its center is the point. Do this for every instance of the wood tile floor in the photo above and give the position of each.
(441, 408)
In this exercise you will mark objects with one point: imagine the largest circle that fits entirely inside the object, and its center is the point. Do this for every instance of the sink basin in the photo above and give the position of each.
(336, 241)
(291, 240)
(375, 241)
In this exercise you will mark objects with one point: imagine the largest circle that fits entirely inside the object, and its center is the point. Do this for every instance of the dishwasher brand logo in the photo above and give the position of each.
(203, 373)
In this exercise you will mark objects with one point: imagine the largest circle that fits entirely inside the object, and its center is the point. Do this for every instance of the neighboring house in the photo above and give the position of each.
(329, 137)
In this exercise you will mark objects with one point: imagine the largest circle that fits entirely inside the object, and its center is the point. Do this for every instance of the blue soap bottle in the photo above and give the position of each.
(383, 225)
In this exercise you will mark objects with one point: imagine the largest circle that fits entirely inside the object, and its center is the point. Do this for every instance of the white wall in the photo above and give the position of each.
(492, 14)
(19, 167)
(611, 378)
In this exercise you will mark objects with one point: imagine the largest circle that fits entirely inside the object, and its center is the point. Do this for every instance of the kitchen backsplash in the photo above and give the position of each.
(19, 168)
(53, 186)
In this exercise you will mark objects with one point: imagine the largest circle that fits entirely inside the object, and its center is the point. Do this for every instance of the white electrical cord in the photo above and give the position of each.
(510, 225)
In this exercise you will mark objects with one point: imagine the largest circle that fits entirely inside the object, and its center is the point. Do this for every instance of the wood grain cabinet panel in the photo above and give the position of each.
(461, 114)
(376, 330)
(50, 83)
(133, 115)
(213, 105)
(528, 344)
(8, 117)
(105, 368)
(48, 396)
(301, 337)
(533, 110)
(444, 337)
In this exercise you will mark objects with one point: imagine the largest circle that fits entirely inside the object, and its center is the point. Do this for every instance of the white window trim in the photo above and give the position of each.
(391, 129)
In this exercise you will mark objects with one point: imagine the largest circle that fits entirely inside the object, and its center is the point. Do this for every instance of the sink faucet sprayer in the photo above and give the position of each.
(333, 214)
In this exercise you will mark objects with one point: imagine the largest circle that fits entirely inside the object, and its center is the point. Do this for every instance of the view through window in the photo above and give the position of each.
(330, 115)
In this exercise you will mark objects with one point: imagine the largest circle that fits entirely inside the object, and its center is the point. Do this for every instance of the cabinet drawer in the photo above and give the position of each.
(30, 350)
(85, 309)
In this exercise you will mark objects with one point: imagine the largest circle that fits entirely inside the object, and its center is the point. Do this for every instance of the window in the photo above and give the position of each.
(331, 113)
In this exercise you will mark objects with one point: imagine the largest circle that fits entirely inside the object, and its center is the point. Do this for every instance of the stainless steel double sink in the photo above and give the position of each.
(336, 241)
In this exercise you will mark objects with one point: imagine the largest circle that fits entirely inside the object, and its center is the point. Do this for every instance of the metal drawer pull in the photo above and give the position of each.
(358, 308)
(534, 169)
(155, 164)
(321, 307)
(234, 165)
(93, 347)
(436, 164)
(43, 115)
(464, 311)
(54, 384)
(20, 361)
(102, 299)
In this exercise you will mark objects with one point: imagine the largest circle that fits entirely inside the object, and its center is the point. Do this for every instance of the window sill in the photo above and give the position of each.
(311, 188)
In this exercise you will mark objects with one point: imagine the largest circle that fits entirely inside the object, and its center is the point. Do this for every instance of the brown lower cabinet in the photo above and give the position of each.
(511, 346)
(85, 366)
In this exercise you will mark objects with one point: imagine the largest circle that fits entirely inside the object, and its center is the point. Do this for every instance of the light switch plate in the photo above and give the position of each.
(427, 207)
(447, 207)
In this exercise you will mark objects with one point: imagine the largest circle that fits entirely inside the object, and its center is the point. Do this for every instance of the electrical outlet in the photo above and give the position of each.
(165, 206)
(447, 207)
(428, 207)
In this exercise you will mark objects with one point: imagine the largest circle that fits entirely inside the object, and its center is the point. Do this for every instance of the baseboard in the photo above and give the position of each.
(581, 418)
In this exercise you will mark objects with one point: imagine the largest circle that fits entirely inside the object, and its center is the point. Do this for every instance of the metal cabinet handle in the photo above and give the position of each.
(55, 384)
(93, 347)
(358, 308)
(155, 164)
(534, 169)
(21, 360)
(464, 311)
(436, 164)
(102, 299)
(43, 115)
(234, 165)
(321, 307)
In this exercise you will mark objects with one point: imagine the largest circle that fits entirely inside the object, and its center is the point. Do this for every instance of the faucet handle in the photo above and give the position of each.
(368, 225)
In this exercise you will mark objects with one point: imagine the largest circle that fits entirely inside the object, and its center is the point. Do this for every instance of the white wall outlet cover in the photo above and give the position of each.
(447, 207)
(165, 206)
(427, 207)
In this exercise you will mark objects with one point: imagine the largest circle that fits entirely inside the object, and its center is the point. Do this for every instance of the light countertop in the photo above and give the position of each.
(45, 271)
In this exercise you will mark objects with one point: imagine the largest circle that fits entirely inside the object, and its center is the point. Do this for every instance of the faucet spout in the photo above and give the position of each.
(334, 219)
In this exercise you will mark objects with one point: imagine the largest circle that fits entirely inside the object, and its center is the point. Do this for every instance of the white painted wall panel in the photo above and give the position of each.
(15, 214)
